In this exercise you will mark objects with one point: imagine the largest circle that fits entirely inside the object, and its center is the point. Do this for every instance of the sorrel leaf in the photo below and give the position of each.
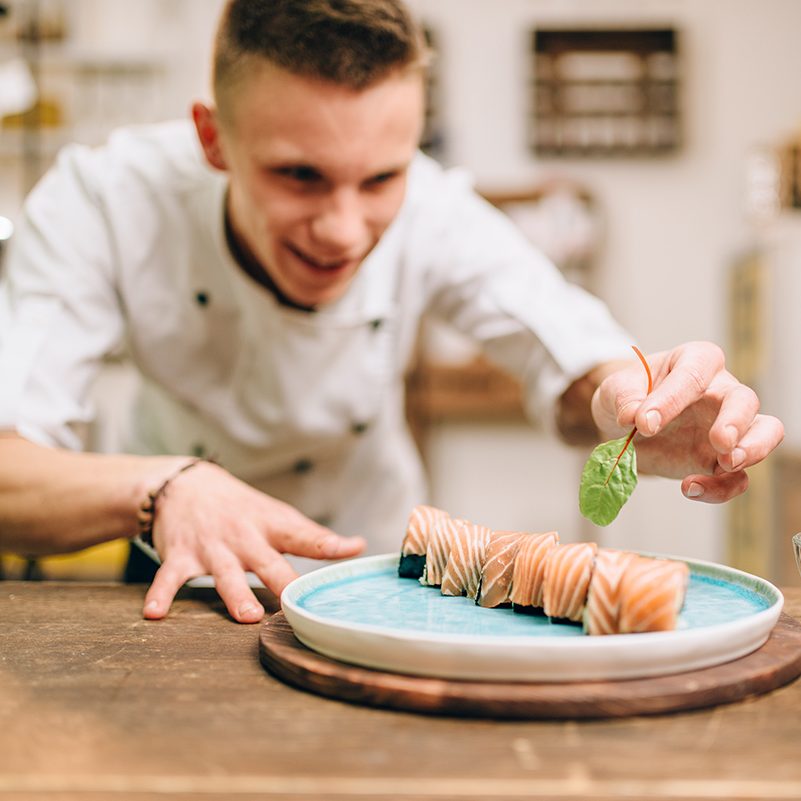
(610, 474)
(607, 481)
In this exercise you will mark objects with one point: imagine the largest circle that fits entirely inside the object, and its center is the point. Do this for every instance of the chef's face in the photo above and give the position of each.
(317, 171)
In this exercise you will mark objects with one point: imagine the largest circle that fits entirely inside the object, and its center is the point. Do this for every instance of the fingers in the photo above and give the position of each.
(303, 537)
(169, 578)
(227, 564)
(230, 582)
(617, 398)
(273, 570)
(765, 434)
(232, 585)
(715, 489)
(736, 416)
(690, 372)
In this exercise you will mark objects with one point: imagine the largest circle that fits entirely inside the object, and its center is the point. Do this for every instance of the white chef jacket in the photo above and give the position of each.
(124, 246)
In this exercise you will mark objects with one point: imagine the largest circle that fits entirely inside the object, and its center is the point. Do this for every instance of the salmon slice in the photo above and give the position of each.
(415, 542)
(529, 569)
(463, 570)
(603, 599)
(440, 541)
(498, 567)
(652, 594)
(568, 570)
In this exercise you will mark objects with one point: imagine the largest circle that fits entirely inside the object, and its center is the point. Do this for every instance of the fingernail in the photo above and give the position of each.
(653, 421)
(737, 458)
(695, 490)
(248, 610)
(151, 608)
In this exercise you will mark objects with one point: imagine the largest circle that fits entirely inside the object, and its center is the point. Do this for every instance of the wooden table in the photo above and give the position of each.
(97, 703)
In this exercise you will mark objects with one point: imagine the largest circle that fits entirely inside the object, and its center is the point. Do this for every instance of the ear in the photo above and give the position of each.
(208, 132)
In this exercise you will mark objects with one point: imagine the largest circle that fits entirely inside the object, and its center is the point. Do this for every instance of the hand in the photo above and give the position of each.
(209, 522)
(699, 424)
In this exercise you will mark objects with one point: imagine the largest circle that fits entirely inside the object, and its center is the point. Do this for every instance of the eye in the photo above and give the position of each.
(381, 178)
(301, 173)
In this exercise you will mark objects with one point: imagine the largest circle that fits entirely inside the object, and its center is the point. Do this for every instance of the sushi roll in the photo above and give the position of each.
(603, 599)
(529, 570)
(652, 594)
(463, 570)
(415, 543)
(438, 549)
(498, 567)
(568, 570)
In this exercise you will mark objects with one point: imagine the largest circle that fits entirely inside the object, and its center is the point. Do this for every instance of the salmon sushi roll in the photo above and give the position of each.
(467, 554)
(440, 540)
(603, 599)
(415, 542)
(498, 567)
(568, 570)
(529, 570)
(652, 594)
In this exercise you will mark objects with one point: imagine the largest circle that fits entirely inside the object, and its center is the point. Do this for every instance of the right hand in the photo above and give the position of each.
(208, 522)
(699, 424)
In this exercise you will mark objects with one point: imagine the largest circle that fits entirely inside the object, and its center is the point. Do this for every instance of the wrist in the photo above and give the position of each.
(152, 490)
(576, 420)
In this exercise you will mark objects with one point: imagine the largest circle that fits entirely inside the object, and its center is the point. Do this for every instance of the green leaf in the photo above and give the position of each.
(606, 487)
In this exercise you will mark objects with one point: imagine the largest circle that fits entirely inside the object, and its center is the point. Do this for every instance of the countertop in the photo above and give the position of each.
(97, 703)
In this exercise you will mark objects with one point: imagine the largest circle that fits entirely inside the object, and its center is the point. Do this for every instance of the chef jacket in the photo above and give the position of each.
(124, 247)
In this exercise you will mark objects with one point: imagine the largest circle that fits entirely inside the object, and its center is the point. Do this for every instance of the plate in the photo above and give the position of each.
(362, 613)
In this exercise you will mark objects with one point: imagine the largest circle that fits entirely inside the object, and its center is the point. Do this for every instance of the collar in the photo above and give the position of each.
(253, 269)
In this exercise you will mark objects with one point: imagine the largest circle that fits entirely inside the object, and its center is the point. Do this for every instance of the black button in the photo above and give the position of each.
(303, 466)
(376, 324)
(199, 450)
(202, 298)
(324, 520)
(359, 428)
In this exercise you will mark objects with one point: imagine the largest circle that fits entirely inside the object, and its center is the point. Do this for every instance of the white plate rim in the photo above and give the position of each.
(614, 656)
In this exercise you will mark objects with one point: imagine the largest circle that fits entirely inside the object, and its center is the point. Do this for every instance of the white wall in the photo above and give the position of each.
(671, 223)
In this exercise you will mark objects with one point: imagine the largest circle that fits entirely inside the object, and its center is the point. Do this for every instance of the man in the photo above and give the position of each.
(270, 298)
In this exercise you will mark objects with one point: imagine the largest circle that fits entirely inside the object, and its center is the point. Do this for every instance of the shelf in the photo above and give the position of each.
(601, 93)
(476, 391)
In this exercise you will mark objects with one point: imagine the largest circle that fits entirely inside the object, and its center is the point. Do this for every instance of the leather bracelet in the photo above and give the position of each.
(146, 516)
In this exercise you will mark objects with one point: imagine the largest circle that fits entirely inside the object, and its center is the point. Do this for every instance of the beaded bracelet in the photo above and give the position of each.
(146, 515)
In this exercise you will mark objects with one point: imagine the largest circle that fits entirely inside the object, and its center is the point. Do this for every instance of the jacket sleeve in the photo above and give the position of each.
(59, 310)
(483, 277)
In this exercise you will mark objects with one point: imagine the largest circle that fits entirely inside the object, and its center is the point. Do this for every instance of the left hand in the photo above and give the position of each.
(699, 424)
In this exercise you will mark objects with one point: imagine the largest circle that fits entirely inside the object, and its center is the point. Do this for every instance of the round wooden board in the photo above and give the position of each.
(776, 663)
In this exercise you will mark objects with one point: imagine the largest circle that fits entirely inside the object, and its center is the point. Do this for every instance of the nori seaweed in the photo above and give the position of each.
(411, 565)
(528, 610)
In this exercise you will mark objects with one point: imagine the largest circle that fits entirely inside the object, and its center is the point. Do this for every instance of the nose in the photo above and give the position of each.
(340, 225)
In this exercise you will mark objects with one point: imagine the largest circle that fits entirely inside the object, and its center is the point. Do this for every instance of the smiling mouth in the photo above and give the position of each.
(321, 265)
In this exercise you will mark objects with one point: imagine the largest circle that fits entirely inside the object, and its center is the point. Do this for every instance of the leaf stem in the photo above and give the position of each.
(647, 368)
(633, 430)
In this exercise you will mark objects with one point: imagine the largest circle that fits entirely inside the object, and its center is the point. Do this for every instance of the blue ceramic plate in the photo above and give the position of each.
(361, 612)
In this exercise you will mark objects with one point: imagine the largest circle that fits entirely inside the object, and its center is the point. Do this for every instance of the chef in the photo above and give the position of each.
(266, 267)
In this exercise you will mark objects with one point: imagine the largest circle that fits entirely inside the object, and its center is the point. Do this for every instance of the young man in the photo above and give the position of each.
(269, 285)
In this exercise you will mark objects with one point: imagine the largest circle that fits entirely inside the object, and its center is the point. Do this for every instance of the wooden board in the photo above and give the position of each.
(776, 663)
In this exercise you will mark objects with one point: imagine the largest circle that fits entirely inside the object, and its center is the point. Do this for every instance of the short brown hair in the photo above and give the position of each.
(349, 42)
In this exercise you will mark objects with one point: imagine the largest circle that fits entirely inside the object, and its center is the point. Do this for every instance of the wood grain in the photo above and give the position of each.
(776, 663)
(97, 703)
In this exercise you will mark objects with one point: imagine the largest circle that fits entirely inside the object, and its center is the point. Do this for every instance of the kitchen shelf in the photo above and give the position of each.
(476, 391)
(604, 92)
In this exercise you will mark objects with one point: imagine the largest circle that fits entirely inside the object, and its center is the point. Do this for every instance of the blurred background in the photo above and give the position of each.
(650, 147)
